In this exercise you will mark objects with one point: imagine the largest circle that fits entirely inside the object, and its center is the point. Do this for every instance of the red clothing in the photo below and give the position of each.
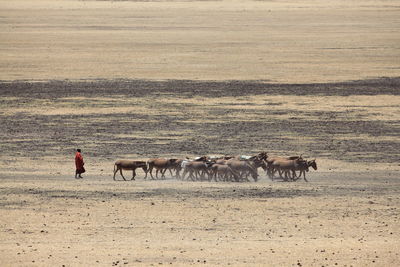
(79, 163)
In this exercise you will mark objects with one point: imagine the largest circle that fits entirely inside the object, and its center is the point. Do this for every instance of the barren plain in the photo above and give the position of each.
(132, 79)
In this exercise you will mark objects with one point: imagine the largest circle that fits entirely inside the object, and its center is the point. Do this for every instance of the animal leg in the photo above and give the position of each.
(270, 171)
(284, 177)
(255, 177)
(115, 171)
(269, 174)
(233, 178)
(273, 172)
(206, 174)
(145, 171)
(170, 172)
(280, 173)
(222, 176)
(151, 171)
(219, 176)
(163, 173)
(178, 175)
(216, 176)
(120, 170)
(133, 174)
(203, 174)
(210, 176)
(244, 175)
(228, 176)
(288, 176)
(294, 175)
(184, 174)
(188, 173)
(277, 171)
(193, 175)
(236, 176)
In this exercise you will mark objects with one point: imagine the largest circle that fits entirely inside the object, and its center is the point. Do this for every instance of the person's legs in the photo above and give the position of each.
(78, 174)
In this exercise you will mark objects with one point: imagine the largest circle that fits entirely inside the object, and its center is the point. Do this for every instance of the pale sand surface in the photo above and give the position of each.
(343, 219)
(347, 215)
(277, 41)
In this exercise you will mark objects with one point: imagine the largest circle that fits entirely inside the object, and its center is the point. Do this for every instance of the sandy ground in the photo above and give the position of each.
(340, 219)
(141, 79)
(346, 215)
(278, 41)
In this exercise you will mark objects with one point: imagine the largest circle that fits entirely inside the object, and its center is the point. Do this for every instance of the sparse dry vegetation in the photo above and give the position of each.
(144, 79)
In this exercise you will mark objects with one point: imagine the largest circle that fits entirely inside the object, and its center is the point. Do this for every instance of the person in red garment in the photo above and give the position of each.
(79, 164)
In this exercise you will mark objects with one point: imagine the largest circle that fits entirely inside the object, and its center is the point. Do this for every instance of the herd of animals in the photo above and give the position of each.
(224, 168)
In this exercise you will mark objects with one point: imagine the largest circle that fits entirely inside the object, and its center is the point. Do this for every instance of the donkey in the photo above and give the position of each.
(196, 169)
(286, 166)
(303, 168)
(270, 160)
(176, 166)
(129, 165)
(222, 172)
(161, 165)
(242, 167)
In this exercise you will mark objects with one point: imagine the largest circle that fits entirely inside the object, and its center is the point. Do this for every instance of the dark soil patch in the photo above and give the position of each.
(108, 136)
